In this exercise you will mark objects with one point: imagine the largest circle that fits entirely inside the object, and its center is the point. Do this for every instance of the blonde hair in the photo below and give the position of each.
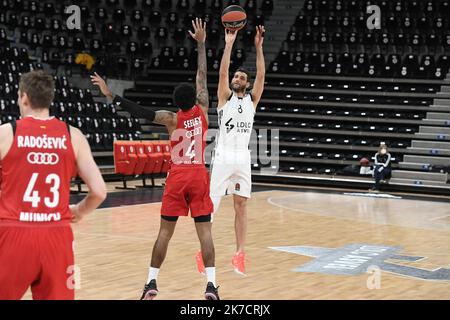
(382, 146)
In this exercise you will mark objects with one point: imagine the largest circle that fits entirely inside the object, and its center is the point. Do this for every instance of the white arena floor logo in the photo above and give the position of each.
(355, 259)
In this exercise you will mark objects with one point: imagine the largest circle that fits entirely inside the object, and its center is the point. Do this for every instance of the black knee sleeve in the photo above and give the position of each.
(206, 218)
(170, 218)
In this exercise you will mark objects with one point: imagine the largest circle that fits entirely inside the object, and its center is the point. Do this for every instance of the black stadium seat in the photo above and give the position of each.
(336, 66)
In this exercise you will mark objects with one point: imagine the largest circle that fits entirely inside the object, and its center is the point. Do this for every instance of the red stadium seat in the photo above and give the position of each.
(150, 164)
(152, 157)
(166, 155)
(125, 157)
(120, 157)
(132, 158)
(142, 158)
(159, 156)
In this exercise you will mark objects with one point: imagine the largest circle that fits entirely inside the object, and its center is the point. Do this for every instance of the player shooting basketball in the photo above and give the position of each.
(231, 167)
(187, 185)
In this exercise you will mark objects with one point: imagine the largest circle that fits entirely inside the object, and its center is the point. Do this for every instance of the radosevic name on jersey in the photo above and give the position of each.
(42, 142)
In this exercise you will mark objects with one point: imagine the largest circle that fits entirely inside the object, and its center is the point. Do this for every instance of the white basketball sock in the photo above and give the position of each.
(152, 274)
(211, 275)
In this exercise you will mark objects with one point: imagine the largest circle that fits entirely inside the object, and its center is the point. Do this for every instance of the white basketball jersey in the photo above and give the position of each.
(235, 123)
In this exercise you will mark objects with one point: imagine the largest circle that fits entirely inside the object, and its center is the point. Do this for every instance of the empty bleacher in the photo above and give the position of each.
(99, 121)
(334, 102)
(334, 89)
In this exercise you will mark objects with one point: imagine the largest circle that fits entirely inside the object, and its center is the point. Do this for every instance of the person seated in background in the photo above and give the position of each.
(382, 170)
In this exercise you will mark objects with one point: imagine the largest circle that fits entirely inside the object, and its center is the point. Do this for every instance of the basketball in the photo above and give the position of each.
(234, 18)
(364, 162)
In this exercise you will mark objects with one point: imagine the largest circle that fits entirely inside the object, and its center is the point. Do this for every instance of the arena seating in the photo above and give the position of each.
(141, 158)
(334, 103)
(306, 122)
(334, 89)
(126, 38)
(395, 73)
(331, 37)
(99, 121)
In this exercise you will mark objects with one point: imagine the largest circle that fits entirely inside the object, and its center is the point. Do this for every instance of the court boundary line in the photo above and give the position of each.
(270, 201)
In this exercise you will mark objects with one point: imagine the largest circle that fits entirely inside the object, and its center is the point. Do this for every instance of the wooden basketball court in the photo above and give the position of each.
(113, 248)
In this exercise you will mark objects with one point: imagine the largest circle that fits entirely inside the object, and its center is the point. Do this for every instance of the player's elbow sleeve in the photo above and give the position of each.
(136, 110)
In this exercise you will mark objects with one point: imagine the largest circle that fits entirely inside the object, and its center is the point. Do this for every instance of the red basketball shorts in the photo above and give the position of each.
(187, 189)
(38, 257)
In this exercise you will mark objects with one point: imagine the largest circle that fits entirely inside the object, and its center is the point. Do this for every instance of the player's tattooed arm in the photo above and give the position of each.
(258, 86)
(201, 81)
(166, 118)
(199, 35)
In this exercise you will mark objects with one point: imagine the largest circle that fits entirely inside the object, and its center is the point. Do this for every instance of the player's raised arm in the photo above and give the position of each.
(223, 90)
(258, 86)
(163, 117)
(199, 35)
(90, 174)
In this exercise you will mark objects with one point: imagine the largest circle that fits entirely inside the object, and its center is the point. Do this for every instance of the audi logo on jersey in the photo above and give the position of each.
(43, 158)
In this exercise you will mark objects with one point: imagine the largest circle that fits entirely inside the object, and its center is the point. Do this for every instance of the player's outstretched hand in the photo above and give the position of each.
(259, 37)
(199, 33)
(98, 81)
(230, 36)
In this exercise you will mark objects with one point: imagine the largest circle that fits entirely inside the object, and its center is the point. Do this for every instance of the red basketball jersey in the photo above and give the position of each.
(188, 141)
(36, 172)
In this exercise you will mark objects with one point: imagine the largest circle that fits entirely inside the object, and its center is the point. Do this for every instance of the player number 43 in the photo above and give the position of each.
(33, 197)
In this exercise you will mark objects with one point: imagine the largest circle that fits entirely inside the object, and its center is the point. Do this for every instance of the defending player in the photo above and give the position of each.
(187, 185)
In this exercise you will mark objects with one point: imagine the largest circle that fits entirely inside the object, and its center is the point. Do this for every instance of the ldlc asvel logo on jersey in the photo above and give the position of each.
(355, 259)
(229, 125)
